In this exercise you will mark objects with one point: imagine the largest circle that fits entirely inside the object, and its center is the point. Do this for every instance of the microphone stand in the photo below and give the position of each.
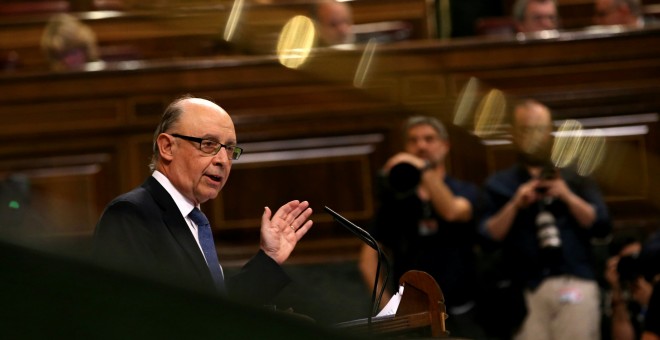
(370, 241)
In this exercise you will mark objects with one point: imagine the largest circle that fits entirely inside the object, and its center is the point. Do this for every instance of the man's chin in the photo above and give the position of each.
(208, 194)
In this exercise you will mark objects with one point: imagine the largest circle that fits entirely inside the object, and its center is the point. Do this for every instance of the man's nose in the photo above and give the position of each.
(548, 23)
(221, 158)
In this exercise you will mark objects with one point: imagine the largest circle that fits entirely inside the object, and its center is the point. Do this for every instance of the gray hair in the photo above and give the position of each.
(433, 122)
(520, 7)
(170, 117)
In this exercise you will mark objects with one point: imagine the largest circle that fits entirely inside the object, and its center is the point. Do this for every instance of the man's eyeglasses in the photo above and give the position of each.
(211, 147)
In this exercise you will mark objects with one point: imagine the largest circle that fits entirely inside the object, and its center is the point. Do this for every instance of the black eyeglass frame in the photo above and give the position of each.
(236, 151)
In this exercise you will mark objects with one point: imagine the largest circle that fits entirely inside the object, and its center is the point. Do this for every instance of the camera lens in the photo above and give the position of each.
(404, 177)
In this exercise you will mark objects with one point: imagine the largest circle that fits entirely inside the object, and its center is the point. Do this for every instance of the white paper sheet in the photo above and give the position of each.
(393, 304)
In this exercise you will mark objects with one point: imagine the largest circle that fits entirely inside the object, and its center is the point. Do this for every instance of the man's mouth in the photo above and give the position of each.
(215, 178)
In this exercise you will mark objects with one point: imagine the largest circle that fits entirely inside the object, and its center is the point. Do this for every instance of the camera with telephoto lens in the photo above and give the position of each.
(405, 177)
(629, 268)
(646, 263)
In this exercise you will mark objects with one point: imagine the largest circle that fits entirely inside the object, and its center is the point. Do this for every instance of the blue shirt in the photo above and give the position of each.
(522, 253)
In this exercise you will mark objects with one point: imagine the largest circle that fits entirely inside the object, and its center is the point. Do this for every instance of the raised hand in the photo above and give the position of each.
(281, 232)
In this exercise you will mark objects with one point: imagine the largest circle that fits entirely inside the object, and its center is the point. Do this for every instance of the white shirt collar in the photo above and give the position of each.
(184, 204)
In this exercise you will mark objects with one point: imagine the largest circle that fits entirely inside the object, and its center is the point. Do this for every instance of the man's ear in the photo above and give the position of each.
(166, 146)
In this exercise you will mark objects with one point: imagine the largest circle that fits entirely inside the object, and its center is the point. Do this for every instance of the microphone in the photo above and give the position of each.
(371, 242)
(359, 232)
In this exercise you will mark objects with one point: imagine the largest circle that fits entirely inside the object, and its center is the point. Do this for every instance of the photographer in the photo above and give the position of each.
(629, 292)
(652, 321)
(634, 274)
(544, 221)
(650, 269)
(424, 221)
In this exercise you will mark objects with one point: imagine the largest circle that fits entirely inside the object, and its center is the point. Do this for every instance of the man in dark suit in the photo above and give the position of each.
(157, 230)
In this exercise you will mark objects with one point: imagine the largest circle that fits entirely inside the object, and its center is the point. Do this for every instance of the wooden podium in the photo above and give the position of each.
(421, 312)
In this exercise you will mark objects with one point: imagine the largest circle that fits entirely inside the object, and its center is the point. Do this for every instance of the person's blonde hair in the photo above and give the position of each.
(65, 32)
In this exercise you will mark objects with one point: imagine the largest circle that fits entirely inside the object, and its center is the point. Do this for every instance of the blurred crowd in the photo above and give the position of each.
(515, 257)
(68, 42)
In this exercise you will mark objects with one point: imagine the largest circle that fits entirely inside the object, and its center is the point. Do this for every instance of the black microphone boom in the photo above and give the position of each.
(371, 242)
(359, 232)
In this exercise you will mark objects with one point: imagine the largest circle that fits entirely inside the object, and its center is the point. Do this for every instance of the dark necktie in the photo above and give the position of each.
(208, 247)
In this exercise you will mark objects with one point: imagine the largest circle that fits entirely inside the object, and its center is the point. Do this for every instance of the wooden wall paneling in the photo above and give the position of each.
(333, 171)
(627, 172)
(423, 88)
(146, 110)
(467, 158)
(500, 155)
(138, 157)
(66, 193)
(419, 13)
(61, 117)
(624, 171)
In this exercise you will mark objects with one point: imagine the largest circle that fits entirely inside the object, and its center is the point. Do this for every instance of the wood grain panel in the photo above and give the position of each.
(336, 171)
(60, 117)
(63, 196)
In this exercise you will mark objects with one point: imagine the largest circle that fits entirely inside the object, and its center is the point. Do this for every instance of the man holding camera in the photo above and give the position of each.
(631, 272)
(425, 222)
(629, 293)
(544, 219)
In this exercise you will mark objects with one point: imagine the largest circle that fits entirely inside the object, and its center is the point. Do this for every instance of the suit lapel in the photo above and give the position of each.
(177, 226)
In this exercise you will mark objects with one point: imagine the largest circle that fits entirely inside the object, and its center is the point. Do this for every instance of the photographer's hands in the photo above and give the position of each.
(404, 157)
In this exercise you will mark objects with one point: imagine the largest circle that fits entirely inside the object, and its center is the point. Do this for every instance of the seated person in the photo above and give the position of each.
(535, 15)
(618, 12)
(334, 21)
(68, 43)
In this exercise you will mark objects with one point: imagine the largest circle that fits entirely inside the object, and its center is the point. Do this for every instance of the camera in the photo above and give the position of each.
(548, 172)
(546, 230)
(630, 267)
(645, 264)
(549, 241)
(404, 177)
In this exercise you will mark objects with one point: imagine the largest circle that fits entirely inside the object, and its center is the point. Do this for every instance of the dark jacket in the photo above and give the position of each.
(144, 233)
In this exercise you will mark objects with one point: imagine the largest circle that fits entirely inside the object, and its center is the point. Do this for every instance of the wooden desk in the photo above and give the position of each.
(176, 32)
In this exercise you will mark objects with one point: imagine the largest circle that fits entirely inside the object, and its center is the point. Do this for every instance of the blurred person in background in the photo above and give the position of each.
(618, 12)
(425, 221)
(68, 43)
(652, 319)
(535, 15)
(634, 275)
(627, 294)
(334, 22)
(544, 219)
